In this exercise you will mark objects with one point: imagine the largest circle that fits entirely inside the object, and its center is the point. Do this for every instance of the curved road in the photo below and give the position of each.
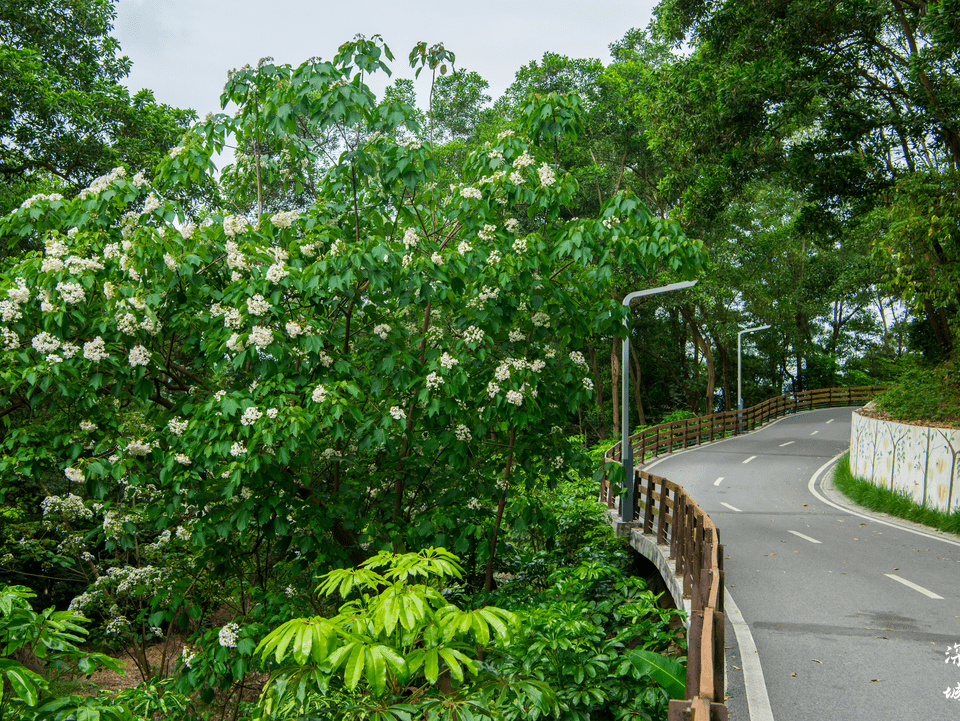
(852, 613)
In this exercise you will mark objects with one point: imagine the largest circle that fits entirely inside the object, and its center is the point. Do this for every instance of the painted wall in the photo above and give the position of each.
(923, 462)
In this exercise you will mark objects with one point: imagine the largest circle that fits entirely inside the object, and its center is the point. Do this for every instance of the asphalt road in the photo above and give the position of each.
(852, 615)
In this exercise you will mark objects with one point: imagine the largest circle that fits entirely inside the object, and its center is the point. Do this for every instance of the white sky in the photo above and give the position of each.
(182, 49)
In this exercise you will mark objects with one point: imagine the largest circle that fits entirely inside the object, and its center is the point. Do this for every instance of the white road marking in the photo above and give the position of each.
(830, 421)
(811, 486)
(758, 702)
(749, 459)
(814, 433)
(732, 508)
(805, 538)
(787, 443)
(914, 586)
(717, 482)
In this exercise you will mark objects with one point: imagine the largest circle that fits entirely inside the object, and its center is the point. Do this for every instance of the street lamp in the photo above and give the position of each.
(626, 448)
(739, 372)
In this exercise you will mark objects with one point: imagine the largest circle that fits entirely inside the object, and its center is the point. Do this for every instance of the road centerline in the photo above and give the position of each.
(915, 587)
(749, 459)
(717, 482)
(804, 537)
(787, 443)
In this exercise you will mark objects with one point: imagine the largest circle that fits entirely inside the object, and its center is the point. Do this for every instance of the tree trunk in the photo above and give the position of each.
(602, 430)
(635, 374)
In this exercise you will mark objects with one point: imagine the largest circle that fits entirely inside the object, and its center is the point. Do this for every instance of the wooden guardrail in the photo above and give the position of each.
(670, 514)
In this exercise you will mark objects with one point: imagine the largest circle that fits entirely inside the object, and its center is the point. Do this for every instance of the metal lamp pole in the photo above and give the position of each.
(739, 371)
(626, 448)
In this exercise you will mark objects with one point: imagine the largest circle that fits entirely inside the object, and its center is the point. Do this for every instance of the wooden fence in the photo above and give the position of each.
(665, 510)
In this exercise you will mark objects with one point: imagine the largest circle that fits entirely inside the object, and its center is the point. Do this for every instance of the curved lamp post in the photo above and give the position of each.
(739, 372)
(626, 448)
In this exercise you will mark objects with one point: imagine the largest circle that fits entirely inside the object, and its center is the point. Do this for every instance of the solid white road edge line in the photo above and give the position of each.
(749, 459)
(758, 702)
(811, 486)
(717, 482)
(805, 538)
(914, 586)
(732, 508)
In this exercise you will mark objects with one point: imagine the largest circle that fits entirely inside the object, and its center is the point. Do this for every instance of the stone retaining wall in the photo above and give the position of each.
(923, 462)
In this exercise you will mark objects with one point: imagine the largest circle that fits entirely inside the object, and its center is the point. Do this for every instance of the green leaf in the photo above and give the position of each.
(667, 672)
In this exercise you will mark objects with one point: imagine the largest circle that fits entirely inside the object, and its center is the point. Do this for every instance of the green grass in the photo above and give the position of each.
(868, 495)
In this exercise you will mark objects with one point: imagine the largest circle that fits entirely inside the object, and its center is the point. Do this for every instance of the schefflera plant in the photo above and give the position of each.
(396, 647)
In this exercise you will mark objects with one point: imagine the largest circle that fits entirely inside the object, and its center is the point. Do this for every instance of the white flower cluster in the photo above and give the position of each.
(102, 183)
(294, 329)
(235, 344)
(410, 238)
(72, 293)
(470, 193)
(485, 294)
(237, 449)
(463, 433)
(434, 380)
(464, 247)
(494, 257)
(516, 336)
(520, 245)
(511, 225)
(541, 320)
(250, 416)
(234, 224)
(557, 462)
(325, 360)
(11, 341)
(448, 361)
(37, 198)
(70, 506)
(137, 447)
(235, 259)
(437, 259)
(473, 334)
(493, 388)
(588, 384)
(331, 454)
(578, 359)
(397, 413)
(319, 394)
(608, 223)
(277, 272)
(256, 305)
(183, 459)
(116, 626)
(43, 342)
(547, 176)
(228, 635)
(74, 474)
(151, 203)
(139, 356)
(284, 219)
(487, 232)
(261, 336)
(474, 504)
(515, 397)
(177, 426)
(130, 577)
(516, 177)
(382, 330)
(88, 426)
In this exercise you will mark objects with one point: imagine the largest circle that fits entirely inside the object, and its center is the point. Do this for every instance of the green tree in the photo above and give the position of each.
(65, 118)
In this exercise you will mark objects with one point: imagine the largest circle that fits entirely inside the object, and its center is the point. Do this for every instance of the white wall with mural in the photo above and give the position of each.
(923, 462)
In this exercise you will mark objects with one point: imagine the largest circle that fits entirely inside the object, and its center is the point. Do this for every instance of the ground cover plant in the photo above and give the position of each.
(207, 409)
(899, 504)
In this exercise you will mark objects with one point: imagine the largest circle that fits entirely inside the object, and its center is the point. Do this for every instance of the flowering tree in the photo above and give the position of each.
(273, 393)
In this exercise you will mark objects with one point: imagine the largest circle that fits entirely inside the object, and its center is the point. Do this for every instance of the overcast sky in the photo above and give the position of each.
(182, 49)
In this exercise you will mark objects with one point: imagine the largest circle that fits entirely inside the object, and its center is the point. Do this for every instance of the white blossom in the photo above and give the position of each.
(88, 426)
(448, 361)
(547, 176)
(256, 305)
(473, 335)
(382, 330)
(177, 426)
(520, 245)
(434, 380)
(139, 356)
(511, 225)
(261, 336)
(515, 397)
(237, 449)
(487, 232)
(71, 293)
(492, 389)
(250, 416)
(74, 474)
(397, 413)
(284, 219)
(319, 394)
(182, 459)
(228, 635)
(277, 272)
(470, 193)
(234, 224)
(463, 433)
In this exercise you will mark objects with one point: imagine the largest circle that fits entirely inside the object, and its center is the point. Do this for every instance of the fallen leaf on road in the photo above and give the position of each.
(876, 680)
(737, 667)
(816, 661)
(794, 675)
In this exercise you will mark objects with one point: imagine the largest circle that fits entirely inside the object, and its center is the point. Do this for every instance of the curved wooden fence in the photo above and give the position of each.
(664, 510)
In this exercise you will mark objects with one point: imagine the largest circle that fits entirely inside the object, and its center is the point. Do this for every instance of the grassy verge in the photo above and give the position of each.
(868, 495)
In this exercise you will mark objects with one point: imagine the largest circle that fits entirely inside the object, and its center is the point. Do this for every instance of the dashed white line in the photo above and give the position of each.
(717, 482)
(805, 538)
(914, 586)
(732, 508)
(830, 421)
(814, 433)
(749, 459)
(787, 443)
